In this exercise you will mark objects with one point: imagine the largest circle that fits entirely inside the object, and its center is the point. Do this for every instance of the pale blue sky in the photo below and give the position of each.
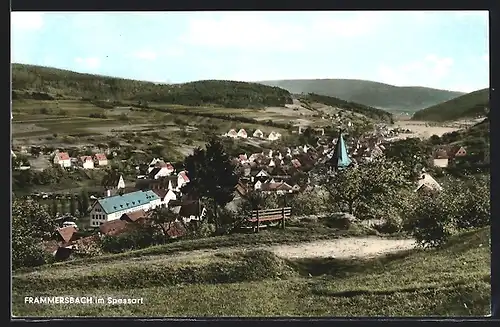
(447, 50)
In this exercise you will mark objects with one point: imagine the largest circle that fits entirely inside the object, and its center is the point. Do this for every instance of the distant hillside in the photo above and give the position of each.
(373, 94)
(46, 82)
(368, 111)
(466, 106)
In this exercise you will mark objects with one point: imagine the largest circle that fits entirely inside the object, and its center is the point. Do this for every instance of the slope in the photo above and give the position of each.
(469, 105)
(451, 281)
(370, 112)
(373, 94)
(48, 83)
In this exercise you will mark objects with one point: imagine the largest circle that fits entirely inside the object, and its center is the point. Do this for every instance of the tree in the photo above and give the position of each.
(31, 225)
(164, 219)
(63, 205)
(412, 152)
(83, 202)
(212, 175)
(111, 177)
(72, 206)
(354, 186)
(54, 208)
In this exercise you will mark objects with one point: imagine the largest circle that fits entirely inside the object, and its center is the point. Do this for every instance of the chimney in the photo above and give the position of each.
(108, 193)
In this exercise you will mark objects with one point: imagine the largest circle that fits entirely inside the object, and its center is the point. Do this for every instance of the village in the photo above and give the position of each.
(277, 170)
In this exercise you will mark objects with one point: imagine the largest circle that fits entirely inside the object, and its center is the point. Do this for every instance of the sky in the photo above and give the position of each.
(440, 49)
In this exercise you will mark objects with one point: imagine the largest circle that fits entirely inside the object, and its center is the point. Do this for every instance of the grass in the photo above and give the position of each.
(451, 281)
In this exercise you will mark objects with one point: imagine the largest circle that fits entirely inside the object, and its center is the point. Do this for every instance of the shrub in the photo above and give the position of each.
(431, 222)
(308, 203)
(136, 238)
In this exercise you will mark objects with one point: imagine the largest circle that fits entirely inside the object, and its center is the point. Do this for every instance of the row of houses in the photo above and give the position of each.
(64, 160)
(273, 136)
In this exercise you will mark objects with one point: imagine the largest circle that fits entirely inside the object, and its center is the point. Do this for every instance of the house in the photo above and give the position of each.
(113, 207)
(242, 158)
(154, 163)
(165, 196)
(134, 216)
(427, 183)
(242, 133)
(62, 159)
(182, 179)
(458, 151)
(162, 170)
(66, 235)
(296, 163)
(232, 133)
(254, 156)
(101, 159)
(121, 183)
(258, 134)
(114, 227)
(241, 189)
(87, 162)
(188, 210)
(279, 188)
(271, 163)
(441, 158)
(257, 185)
(273, 136)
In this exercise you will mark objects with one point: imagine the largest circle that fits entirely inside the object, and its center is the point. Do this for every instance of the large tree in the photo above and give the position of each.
(163, 219)
(31, 224)
(354, 186)
(212, 176)
(412, 152)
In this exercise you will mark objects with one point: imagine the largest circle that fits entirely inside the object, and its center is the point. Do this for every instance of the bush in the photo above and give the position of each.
(136, 238)
(308, 203)
(462, 205)
(431, 222)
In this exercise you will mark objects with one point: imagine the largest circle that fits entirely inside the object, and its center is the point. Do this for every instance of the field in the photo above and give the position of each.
(68, 122)
(253, 275)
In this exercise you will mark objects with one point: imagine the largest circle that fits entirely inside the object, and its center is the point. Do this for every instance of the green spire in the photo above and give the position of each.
(340, 158)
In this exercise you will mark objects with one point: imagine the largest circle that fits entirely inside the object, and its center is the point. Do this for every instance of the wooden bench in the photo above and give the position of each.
(279, 214)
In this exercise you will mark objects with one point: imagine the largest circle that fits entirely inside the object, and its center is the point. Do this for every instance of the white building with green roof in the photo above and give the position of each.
(113, 207)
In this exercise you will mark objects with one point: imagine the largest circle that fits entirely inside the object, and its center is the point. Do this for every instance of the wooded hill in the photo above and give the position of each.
(38, 82)
(373, 94)
(470, 105)
(370, 112)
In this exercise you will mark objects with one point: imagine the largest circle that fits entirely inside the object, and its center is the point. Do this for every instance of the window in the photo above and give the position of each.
(100, 223)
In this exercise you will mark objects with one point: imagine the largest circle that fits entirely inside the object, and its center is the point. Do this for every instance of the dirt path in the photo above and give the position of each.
(352, 247)
(365, 247)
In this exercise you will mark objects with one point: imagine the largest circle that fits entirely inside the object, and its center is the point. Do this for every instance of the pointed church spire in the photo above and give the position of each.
(340, 158)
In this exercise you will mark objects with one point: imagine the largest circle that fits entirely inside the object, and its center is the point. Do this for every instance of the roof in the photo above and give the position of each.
(441, 154)
(86, 158)
(126, 201)
(275, 187)
(66, 233)
(429, 182)
(241, 189)
(167, 165)
(184, 175)
(296, 163)
(161, 193)
(114, 227)
(242, 131)
(134, 215)
(100, 156)
(257, 131)
(232, 132)
(63, 156)
(153, 172)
